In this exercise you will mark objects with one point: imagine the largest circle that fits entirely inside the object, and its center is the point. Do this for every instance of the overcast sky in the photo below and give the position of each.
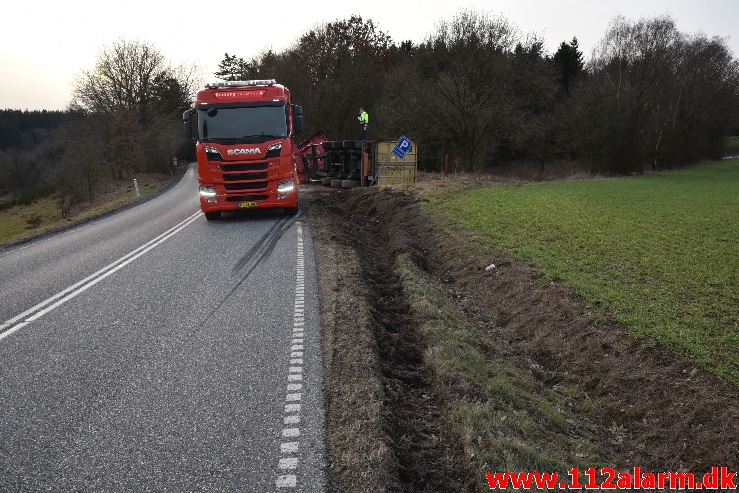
(46, 44)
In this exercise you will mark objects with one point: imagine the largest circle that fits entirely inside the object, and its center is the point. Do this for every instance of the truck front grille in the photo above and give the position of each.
(241, 179)
(245, 186)
(244, 167)
(246, 198)
(244, 176)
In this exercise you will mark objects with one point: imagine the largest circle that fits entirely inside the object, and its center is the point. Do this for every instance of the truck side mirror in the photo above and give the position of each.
(187, 120)
(297, 119)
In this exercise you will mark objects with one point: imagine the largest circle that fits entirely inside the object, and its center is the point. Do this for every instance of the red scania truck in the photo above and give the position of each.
(246, 154)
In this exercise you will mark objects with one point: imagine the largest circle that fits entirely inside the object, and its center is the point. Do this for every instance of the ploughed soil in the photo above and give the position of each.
(648, 407)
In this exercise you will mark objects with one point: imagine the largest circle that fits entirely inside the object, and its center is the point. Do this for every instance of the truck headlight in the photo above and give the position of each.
(273, 150)
(286, 186)
(213, 154)
(207, 191)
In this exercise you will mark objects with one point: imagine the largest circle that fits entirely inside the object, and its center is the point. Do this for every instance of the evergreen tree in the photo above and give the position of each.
(569, 61)
(232, 68)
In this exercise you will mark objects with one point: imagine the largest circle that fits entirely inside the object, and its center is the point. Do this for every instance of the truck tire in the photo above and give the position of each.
(290, 211)
(212, 216)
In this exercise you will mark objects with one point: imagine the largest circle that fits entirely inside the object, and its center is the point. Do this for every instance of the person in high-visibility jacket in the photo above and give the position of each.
(363, 121)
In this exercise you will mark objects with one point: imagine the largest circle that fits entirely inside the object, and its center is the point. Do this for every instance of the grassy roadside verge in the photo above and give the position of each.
(656, 253)
(506, 420)
(360, 459)
(519, 377)
(25, 221)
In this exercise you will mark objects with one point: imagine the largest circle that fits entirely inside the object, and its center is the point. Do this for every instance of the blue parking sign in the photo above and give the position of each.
(404, 145)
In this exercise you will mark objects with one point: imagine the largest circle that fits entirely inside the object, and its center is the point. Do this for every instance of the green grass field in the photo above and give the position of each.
(658, 253)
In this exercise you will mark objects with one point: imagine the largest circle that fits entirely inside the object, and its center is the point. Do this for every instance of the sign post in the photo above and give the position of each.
(404, 145)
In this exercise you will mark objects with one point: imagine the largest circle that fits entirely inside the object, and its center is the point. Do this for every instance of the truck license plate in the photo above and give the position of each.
(247, 205)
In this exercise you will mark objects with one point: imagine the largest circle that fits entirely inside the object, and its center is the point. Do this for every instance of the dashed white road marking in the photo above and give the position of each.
(288, 460)
(291, 432)
(287, 481)
(289, 448)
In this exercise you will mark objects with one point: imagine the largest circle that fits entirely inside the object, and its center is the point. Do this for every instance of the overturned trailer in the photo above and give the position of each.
(357, 163)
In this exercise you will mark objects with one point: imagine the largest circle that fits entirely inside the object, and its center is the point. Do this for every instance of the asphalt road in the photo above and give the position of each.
(156, 351)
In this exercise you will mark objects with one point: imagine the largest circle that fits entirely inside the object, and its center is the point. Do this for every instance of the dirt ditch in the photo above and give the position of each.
(386, 421)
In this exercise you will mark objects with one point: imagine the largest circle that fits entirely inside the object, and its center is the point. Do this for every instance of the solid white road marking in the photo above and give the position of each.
(49, 304)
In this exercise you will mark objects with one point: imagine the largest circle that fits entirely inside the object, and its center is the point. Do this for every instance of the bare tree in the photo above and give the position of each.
(464, 87)
(16, 170)
(138, 98)
(705, 100)
(335, 68)
(81, 167)
(657, 97)
(123, 77)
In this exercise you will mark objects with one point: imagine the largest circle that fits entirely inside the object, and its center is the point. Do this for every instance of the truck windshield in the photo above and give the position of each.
(250, 124)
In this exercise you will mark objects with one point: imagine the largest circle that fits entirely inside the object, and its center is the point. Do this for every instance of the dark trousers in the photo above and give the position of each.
(363, 132)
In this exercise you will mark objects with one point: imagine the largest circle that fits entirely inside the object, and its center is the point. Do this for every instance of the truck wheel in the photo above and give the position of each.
(212, 216)
(290, 211)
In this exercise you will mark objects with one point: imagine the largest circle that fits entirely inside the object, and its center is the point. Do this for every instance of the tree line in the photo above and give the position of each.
(476, 91)
(480, 92)
(124, 119)
(27, 129)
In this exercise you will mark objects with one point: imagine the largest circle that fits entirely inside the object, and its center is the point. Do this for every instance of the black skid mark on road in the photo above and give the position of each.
(261, 251)
(266, 244)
